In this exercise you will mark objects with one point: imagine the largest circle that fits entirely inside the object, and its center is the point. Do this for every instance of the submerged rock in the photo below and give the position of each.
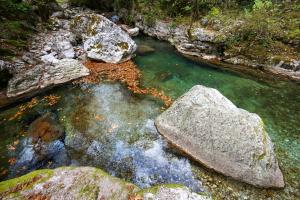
(103, 40)
(211, 129)
(43, 148)
(42, 76)
(33, 155)
(46, 129)
(144, 50)
(86, 183)
(119, 135)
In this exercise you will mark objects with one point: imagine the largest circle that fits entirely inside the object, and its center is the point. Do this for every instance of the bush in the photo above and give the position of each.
(214, 12)
(259, 25)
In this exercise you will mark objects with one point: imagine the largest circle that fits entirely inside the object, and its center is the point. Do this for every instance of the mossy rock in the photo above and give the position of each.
(87, 183)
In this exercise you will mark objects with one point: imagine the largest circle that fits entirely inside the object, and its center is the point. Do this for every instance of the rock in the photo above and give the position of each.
(45, 128)
(212, 130)
(49, 59)
(37, 155)
(115, 19)
(60, 43)
(6, 66)
(66, 49)
(172, 192)
(131, 31)
(58, 14)
(41, 77)
(87, 183)
(195, 42)
(296, 65)
(103, 40)
(201, 34)
(144, 50)
(43, 148)
(2, 64)
(204, 21)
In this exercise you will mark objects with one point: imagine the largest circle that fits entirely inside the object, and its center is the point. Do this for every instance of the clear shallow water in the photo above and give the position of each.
(105, 127)
(109, 128)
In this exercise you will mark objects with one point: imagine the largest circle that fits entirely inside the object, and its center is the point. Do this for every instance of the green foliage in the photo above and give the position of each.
(17, 21)
(294, 33)
(258, 25)
(262, 5)
(214, 12)
(150, 19)
(12, 9)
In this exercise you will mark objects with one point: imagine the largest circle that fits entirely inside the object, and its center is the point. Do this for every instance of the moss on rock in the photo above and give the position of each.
(82, 183)
(8, 185)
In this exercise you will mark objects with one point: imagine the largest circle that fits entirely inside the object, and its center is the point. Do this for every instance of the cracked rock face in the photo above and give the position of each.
(211, 129)
(42, 76)
(103, 40)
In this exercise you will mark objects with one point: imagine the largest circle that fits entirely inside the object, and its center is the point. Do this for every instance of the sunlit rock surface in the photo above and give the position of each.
(103, 40)
(207, 126)
(43, 76)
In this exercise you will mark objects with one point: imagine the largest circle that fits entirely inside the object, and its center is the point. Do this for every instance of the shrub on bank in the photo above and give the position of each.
(18, 19)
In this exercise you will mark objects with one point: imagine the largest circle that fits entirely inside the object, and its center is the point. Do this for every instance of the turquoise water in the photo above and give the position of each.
(108, 127)
(278, 103)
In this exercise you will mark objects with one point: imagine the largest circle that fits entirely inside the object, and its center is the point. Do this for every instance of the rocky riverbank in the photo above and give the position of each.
(203, 43)
(106, 126)
(55, 55)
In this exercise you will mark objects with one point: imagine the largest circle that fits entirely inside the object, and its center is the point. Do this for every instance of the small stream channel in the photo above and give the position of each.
(108, 127)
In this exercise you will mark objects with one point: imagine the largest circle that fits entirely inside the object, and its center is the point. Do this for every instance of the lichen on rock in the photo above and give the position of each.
(103, 40)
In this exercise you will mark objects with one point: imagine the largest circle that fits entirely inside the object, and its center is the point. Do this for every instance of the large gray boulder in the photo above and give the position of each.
(44, 76)
(212, 130)
(103, 40)
(72, 183)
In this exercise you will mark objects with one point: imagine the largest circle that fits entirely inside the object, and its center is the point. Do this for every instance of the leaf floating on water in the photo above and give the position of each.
(126, 73)
(4, 172)
(11, 148)
(16, 142)
(50, 99)
(113, 127)
(12, 161)
(135, 197)
(99, 117)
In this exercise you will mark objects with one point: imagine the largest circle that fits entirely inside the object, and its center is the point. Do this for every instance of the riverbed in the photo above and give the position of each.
(106, 126)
